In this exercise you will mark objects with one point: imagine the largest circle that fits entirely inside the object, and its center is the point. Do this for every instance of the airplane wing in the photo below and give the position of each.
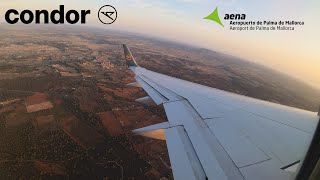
(214, 134)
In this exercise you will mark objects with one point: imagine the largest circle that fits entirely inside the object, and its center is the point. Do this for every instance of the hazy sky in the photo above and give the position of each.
(293, 52)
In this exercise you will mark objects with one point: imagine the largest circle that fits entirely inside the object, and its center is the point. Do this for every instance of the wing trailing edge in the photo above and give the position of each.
(147, 100)
(155, 131)
(134, 84)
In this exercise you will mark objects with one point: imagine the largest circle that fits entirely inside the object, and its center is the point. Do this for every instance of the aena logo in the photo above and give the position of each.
(214, 16)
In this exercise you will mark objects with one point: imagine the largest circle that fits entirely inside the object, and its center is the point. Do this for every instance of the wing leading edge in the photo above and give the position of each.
(215, 134)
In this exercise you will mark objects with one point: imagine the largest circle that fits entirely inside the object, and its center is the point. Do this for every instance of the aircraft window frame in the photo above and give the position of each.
(310, 168)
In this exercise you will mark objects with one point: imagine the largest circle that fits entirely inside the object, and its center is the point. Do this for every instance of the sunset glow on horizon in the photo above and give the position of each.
(291, 52)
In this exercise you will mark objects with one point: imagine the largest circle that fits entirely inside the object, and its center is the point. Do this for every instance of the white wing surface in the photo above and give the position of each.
(215, 134)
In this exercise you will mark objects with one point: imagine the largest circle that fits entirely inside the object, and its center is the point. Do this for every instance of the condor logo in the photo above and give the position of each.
(13, 16)
(129, 57)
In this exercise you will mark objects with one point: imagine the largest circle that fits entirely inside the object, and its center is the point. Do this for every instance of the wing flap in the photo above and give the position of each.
(134, 84)
(154, 94)
(162, 90)
(163, 125)
(214, 159)
(184, 161)
(147, 100)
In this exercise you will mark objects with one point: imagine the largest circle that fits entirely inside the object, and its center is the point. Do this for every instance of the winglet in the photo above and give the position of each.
(129, 58)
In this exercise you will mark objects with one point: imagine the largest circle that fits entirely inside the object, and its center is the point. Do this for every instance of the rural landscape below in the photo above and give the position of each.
(66, 112)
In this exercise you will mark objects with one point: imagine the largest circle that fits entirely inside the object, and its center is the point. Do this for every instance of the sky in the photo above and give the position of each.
(293, 52)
